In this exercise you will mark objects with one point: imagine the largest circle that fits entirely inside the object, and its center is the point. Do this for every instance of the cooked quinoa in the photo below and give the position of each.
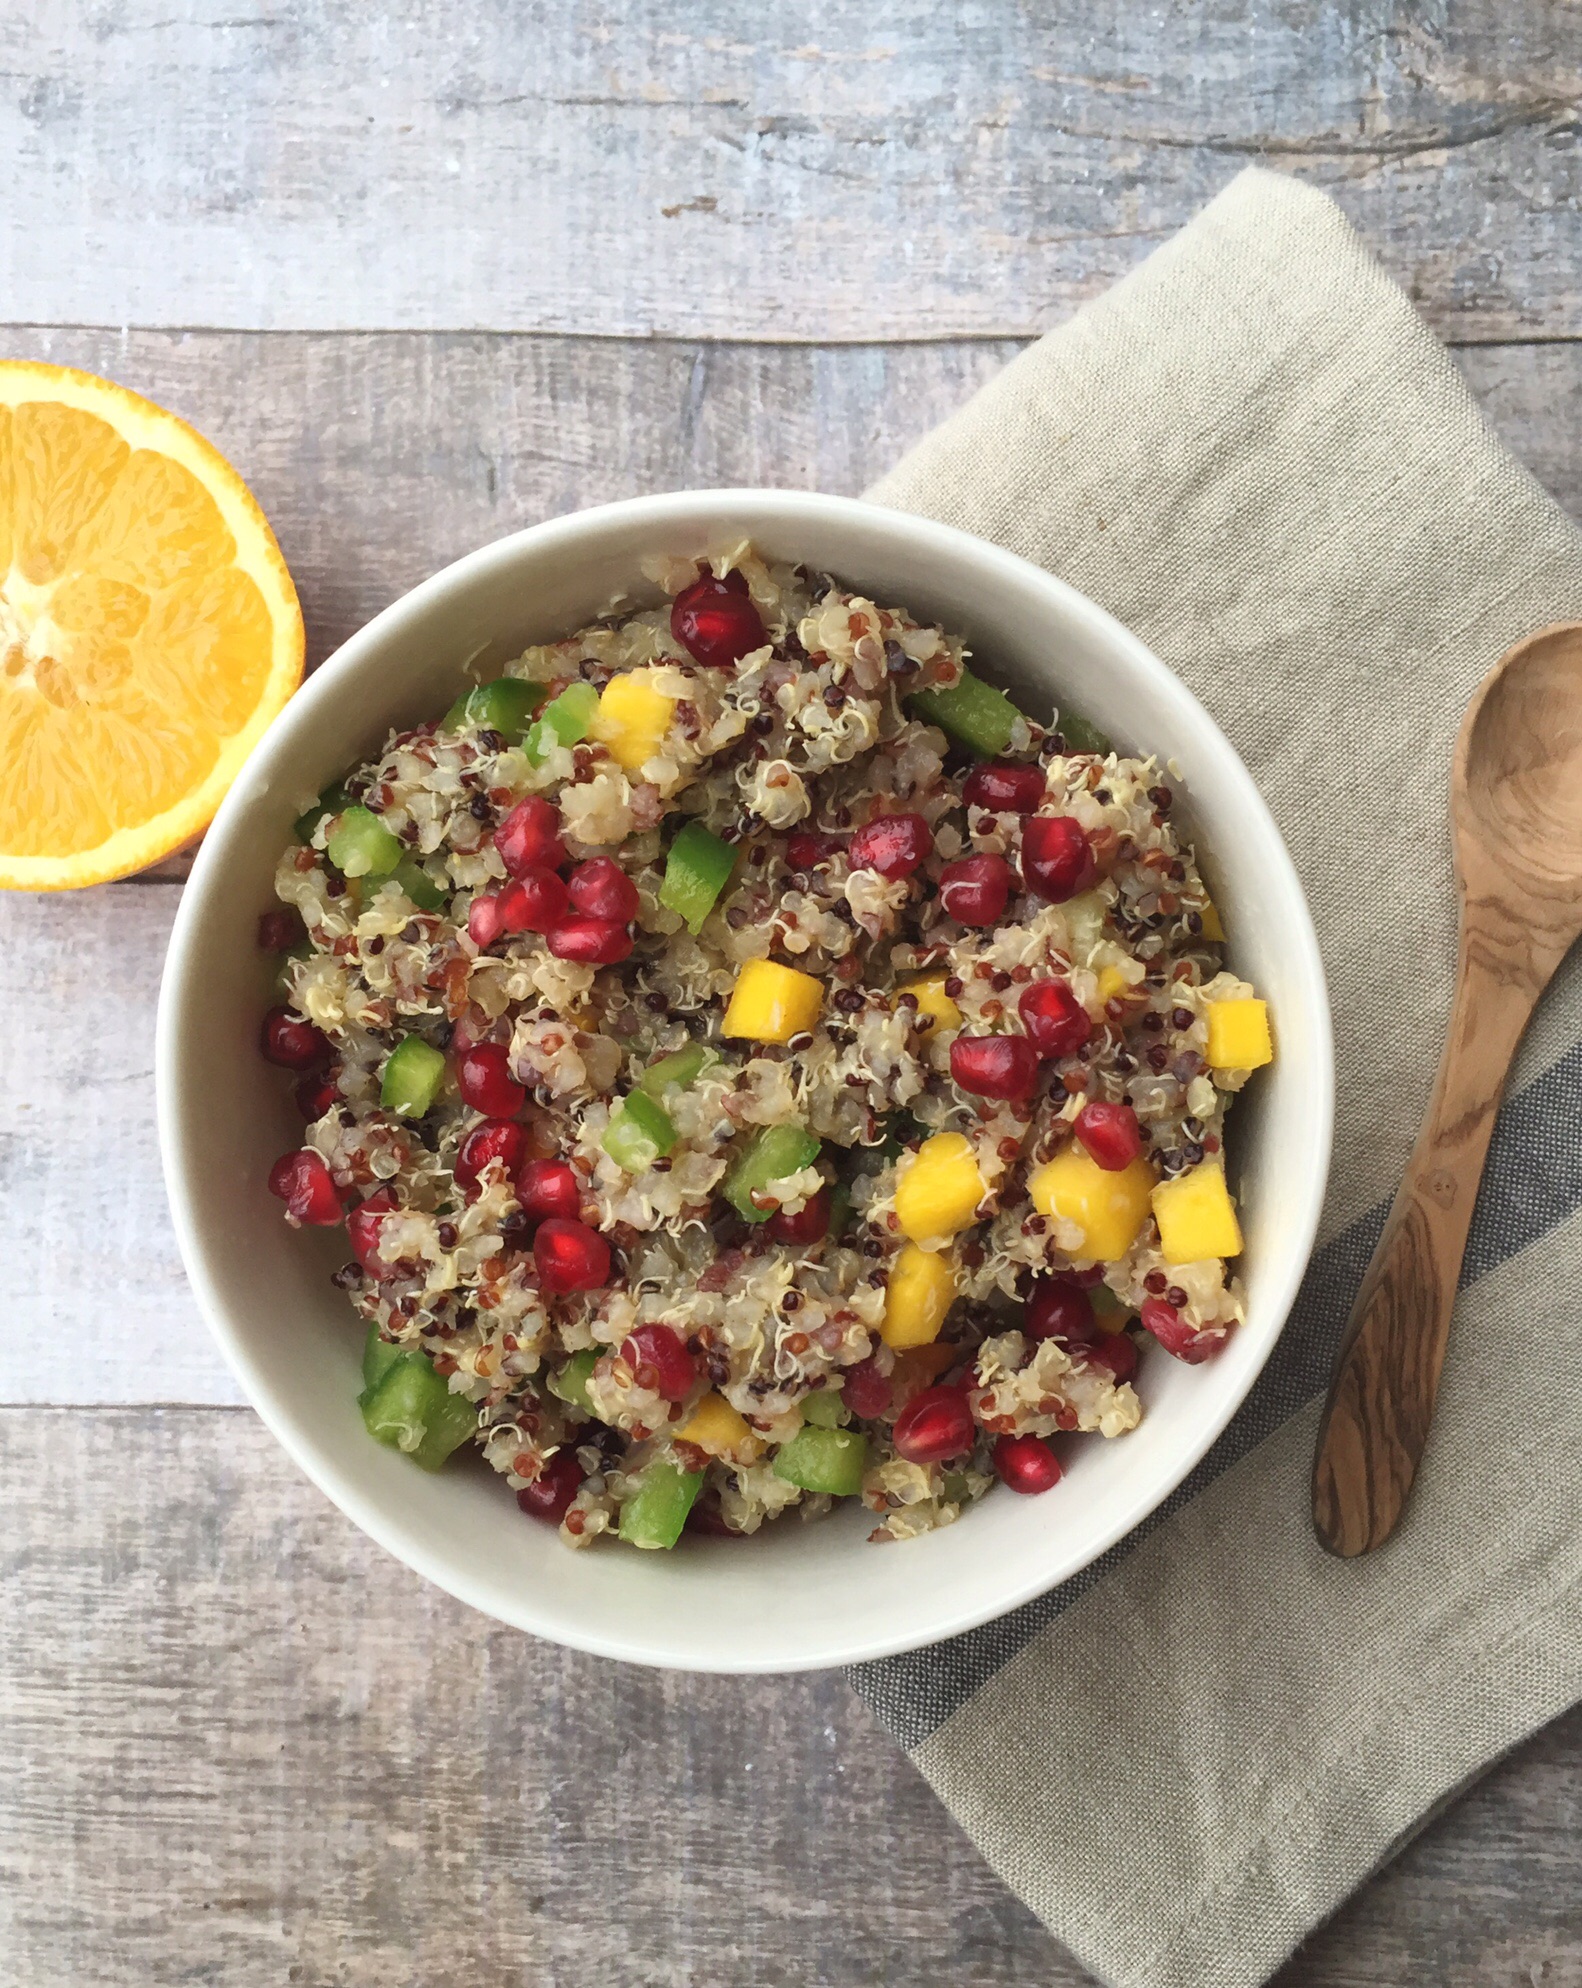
(975, 1006)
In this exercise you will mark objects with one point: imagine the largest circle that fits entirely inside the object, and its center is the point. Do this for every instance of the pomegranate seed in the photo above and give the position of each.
(1111, 1134)
(291, 1042)
(570, 1257)
(1176, 1336)
(807, 849)
(866, 1392)
(894, 845)
(486, 920)
(315, 1096)
(529, 837)
(658, 1356)
(484, 1078)
(363, 1225)
(1026, 1464)
(496, 1139)
(716, 622)
(975, 890)
(548, 1188)
(1054, 1018)
(549, 1496)
(1004, 787)
(1057, 860)
(1116, 1352)
(600, 888)
(934, 1426)
(593, 941)
(1059, 1309)
(810, 1224)
(994, 1066)
(279, 931)
(303, 1183)
(534, 903)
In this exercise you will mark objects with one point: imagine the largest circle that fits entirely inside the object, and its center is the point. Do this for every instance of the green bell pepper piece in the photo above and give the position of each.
(505, 706)
(828, 1460)
(379, 1356)
(824, 1409)
(657, 1510)
(359, 845)
(697, 869)
(412, 1077)
(683, 1069)
(411, 1409)
(419, 886)
(973, 712)
(1080, 736)
(565, 720)
(776, 1152)
(639, 1132)
(570, 1382)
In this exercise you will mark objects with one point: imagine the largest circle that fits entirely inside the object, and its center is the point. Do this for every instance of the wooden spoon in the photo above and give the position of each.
(1516, 821)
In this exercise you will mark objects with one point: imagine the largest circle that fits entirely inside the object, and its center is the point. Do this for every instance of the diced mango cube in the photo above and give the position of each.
(1112, 982)
(1213, 924)
(772, 1003)
(921, 1290)
(1196, 1216)
(933, 1001)
(940, 1188)
(716, 1427)
(632, 718)
(1238, 1035)
(1108, 1207)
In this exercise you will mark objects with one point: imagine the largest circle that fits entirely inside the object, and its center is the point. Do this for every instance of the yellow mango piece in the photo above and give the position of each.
(716, 1427)
(921, 1290)
(939, 1190)
(1108, 1207)
(1112, 982)
(632, 719)
(1238, 1035)
(1196, 1216)
(772, 1003)
(1213, 924)
(932, 1000)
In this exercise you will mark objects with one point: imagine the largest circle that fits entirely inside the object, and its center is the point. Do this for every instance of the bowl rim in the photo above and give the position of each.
(659, 510)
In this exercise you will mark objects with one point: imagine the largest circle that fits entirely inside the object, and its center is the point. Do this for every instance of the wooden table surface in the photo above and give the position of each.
(427, 275)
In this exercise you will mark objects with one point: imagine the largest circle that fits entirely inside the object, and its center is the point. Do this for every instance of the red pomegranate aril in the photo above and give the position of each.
(865, 1391)
(484, 1079)
(894, 845)
(1057, 860)
(496, 1139)
(935, 1426)
(807, 849)
(549, 1496)
(303, 1182)
(591, 941)
(1026, 1464)
(529, 837)
(975, 891)
(1059, 1309)
(715, 621)
(1055, 1020)
(363, 1225)
(315, 1096)
(994, 1066)
(1176, 1336)
(536, 902)
(570, 1257)
(658, 1358)
(1110, 1133)
(1004, 787)
(486, 920)
(547, 1189)
(810, 1223)
(1116, 1353)
(279, 931)
(600, 888)
(290, 1042)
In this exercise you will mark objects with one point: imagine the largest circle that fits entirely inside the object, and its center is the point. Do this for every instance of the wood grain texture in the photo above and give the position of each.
(244, 1746)
(828, 171)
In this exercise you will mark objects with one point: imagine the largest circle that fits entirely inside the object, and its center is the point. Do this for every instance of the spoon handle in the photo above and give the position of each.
(1381, 1399)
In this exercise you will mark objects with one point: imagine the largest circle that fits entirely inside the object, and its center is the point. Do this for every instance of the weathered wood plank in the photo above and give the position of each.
(828, 172)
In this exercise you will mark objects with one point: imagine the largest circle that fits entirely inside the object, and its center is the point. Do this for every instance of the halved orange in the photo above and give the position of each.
(149, 629)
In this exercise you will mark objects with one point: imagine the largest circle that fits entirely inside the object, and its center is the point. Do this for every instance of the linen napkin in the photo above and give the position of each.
(1255, 454)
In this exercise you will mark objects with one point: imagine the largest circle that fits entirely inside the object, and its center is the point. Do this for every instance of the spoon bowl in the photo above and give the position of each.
(1517, 789)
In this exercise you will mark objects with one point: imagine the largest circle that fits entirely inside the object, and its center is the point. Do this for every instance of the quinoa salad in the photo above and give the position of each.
(755, 1065)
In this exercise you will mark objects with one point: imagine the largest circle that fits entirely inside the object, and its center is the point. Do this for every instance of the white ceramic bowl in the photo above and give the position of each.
(795, 1596)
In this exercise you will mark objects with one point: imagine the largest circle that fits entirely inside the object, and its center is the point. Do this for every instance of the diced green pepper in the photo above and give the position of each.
(570, 1382)
(839, 1210)
(359, 845)
(657, 1510)
(827, 1460)
(505, 706)
(411, 1409)
(412, 1077)
(697, 869)
(682, 1069)
(639, 1132)
(330, 802)
(1080, 736)
(419, 886)
(824, 1409)
(775, 1153)
(565, 721)
(973, 712)
(379, 1356)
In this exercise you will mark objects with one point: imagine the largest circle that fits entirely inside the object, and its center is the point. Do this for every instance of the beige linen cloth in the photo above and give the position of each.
(1254, 453)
